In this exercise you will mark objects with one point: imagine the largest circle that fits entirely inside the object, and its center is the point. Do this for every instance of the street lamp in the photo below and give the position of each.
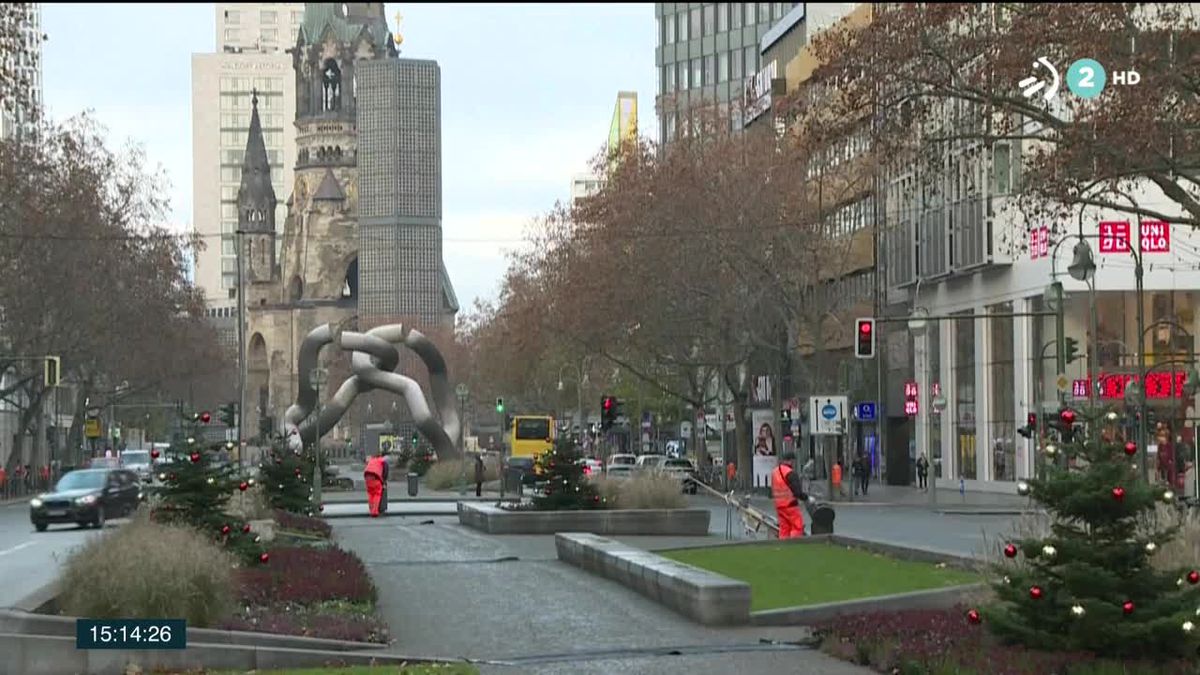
(1083, 268)
(318, 376)
(462, 392)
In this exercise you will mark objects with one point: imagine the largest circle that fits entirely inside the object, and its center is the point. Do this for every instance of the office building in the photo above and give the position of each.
(17, 110)
(249, 58)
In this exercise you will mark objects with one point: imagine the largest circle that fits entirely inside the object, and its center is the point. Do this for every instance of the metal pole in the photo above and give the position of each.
(241, 334)
(1060, 337)
(1095, 343)
(462, 455)
(317, 450)
(1141, 323)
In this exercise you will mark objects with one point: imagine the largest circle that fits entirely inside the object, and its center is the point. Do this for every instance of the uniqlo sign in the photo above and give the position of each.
(1039, 243)
(1155, 236)
(1114, 237)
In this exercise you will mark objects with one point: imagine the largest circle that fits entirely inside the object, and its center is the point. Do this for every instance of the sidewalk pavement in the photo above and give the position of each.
(949, 500)
(398, 492)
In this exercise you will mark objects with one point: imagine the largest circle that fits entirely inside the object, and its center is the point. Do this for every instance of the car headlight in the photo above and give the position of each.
(86, 500)
(35, 503)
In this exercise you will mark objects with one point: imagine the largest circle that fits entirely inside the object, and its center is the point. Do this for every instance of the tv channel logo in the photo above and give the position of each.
(1086, 78)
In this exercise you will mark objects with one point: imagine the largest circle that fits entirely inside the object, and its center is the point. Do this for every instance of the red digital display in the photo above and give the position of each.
(1159, 385)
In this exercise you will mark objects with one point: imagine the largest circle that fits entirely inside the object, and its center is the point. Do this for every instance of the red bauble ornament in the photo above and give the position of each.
(1118, 493)
(297, 473)
(1131, 448)
(243, 485)
(1035, 592)
(195, 457)
(224, 529)
(170, 476)
(264, 558)
(1010, 551)
(321, 507)
(973, 617)
(246, 528)
(1193, 577)
(1067, 416)
(1127, 607)
(153, 454)
(205, 417)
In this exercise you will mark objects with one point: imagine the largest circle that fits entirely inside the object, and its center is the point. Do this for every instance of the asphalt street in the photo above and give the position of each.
(29, 559)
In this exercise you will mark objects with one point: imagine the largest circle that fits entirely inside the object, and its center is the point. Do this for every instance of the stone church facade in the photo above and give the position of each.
(316, 279)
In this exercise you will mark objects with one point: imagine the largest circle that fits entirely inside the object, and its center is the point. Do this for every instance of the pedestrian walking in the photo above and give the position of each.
(788, 493)
(922, 473)
(479, 474)
(864, 473)
(836, 476)
(376, 474)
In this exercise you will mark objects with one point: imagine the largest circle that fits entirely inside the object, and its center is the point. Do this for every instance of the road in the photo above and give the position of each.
(29, 559)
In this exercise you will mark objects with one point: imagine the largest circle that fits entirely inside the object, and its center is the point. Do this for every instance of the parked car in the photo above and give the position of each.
(87, 496)
(683, 469)
(621, 460)
(620, 472)
(650, 462)
(591, 467)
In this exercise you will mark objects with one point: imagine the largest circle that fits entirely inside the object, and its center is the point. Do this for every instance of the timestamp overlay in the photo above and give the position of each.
(130, 634)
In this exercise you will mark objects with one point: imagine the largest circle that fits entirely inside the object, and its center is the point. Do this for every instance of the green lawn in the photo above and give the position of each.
(436, 669)
(790, 575)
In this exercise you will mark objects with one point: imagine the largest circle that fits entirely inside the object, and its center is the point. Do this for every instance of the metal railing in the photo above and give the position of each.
(26, 485)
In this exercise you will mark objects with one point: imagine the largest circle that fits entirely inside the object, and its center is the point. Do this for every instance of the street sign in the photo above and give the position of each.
(1062, 382)
(91, 427)
(828, 414)
(116, 432)
(865, 411)
(461, 390)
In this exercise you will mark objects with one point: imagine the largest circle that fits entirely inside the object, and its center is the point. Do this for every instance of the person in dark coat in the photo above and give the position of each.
(479, 474)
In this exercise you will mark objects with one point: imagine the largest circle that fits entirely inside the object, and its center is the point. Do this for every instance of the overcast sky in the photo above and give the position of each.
(527, 96)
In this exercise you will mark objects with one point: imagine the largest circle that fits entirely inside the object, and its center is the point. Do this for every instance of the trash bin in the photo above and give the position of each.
(413, 484)
(822, 516)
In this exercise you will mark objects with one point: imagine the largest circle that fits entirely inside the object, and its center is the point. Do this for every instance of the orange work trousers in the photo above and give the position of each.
(791, 521)
(374, 493)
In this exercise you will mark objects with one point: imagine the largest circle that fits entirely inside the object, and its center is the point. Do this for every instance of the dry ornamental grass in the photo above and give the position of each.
(649, 490)
(448, 474)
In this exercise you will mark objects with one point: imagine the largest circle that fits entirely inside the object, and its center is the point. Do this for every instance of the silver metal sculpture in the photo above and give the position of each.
(374, 358)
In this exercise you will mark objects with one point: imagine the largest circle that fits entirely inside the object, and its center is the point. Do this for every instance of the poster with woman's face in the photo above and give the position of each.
(763, 439)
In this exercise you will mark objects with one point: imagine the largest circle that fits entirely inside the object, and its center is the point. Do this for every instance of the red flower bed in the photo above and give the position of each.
(916, 642)
(288, 619)
(300, 523)
(306, 575)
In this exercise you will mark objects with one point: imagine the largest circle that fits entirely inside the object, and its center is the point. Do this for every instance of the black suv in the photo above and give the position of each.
(88, 496)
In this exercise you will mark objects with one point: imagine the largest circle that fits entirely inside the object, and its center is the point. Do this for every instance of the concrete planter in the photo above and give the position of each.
(494, 520)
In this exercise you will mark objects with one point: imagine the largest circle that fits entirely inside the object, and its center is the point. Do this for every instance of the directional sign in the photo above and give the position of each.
(828, 414)
(865, 411)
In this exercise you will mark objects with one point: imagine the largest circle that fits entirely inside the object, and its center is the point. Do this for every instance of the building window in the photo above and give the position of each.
(229, 281)
(751, 56)
(669, 29)
(722, 17)
(684, 80)
(710, 68)
(722, 66)
(232, 35)
(233, 16)
(751, 13)
(670, 74)
(964, 388)
(780, 10)
(735, 15)
(1001, 168)
(682, 18)
(710, 19)
(270, 34)
(1002, 406)
(697, 29)
(737, 72)
(267, 16)
(764, 12)
(228, 247)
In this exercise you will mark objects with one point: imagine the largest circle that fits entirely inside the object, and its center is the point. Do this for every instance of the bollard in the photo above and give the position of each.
(821, 515)
(413, 484)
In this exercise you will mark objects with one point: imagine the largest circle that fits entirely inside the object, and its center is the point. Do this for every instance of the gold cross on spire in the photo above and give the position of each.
(396, 36)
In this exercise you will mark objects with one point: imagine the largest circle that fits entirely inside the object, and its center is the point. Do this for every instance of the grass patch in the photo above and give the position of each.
(791, 575)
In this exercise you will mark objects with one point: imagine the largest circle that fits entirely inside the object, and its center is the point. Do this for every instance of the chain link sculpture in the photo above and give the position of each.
(374, 358)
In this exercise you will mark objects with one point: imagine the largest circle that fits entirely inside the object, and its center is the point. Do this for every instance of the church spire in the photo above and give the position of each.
(256, 196)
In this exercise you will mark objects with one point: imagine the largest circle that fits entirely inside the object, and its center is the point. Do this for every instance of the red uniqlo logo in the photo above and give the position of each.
(1114, 237)
(1155, 237)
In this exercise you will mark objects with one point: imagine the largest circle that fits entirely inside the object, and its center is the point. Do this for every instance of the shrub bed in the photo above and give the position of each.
(943, 642)
(295, 522)
(149, 570)
(331, 621)
(446, 475)
(650, 490)
(306, 575)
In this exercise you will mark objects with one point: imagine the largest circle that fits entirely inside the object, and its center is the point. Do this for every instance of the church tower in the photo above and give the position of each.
(256, 205)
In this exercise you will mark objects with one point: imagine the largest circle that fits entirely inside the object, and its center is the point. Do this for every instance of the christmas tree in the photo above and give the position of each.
(566, 488)
(196, 486)
(287, 478)
(1089, 584)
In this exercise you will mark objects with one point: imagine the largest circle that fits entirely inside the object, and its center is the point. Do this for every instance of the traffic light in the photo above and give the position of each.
(1030, 428)
(1071, 349)
(608, 412)
(416, 438)
(228, 414)
(864, 338)
(785, 415)
(53, 371)
(499, 404)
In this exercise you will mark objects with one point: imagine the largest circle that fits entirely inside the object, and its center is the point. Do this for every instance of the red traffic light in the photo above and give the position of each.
(608, 403)
(864, 346)
(864, 327)
(1031, 420)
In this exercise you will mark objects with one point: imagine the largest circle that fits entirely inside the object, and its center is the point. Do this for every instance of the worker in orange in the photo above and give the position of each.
(730, 474)
(376, 474)
(788, 494)
(836, 476)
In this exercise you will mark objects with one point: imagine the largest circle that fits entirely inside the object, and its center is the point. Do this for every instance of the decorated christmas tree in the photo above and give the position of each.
(196, 484)
(566, 488)
(287, 478)
(1090, 583)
